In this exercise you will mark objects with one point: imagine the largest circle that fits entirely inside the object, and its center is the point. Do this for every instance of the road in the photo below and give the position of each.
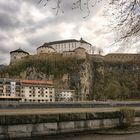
(29, 111)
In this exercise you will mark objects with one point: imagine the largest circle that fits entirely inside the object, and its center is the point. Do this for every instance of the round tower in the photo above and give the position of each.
(17, 55)
(45, 49)
(80, 53)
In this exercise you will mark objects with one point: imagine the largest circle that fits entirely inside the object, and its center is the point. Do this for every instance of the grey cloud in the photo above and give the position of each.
(3, 50)
(4, 59)
(9, 7)
(42, 38)
(8, 22)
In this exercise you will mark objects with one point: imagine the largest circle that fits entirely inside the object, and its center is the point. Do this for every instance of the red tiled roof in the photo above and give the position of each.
(36, 82)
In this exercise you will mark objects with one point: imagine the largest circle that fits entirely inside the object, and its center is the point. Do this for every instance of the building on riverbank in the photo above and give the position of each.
(64, 95)
(27, 90)
(40, 91)
(10, 90)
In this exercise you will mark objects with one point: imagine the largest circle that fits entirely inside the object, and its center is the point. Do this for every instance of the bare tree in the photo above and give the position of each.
(100, 51)
(83, 5)
(125, 13)
(126, 16)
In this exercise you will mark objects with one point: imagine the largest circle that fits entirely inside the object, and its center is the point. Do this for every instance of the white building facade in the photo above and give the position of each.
(65, 95)
(67, 45)
(37, 91)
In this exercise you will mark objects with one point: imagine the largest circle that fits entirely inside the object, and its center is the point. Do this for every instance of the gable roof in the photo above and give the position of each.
(19, 50)
(37, 82)
(83, 41)
(46, 46)
(63, 41)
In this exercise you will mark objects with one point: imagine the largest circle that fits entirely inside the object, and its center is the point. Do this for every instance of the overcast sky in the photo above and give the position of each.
(27, 25)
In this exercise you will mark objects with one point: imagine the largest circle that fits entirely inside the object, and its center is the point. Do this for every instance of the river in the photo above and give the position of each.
(100, 137)
(93, 137)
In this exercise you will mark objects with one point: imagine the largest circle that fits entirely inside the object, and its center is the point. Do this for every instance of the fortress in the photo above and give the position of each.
(73, 48)
(68, 48)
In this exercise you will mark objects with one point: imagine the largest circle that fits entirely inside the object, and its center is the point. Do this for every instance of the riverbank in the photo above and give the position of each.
(108, 134)
(120, 131)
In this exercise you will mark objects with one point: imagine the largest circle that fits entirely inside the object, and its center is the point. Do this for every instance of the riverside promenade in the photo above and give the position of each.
(29, 111)
(17, 108)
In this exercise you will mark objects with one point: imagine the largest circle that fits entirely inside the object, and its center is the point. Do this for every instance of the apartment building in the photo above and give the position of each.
(10, 90)
(64, 95)
(26, 90)
(37, 91)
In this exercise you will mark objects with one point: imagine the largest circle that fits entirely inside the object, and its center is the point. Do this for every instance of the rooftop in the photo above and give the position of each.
(46, 45)
(19, 50)
(36, 82)
(63, 41)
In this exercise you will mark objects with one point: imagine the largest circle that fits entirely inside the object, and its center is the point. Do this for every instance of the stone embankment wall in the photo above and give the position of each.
(53, 124)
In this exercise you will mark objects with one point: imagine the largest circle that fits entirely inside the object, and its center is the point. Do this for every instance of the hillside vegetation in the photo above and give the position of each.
(54, 65)
(119, 81)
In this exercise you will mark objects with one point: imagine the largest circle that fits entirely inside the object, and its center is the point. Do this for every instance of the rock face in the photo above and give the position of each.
(31, 73)
(85, 82)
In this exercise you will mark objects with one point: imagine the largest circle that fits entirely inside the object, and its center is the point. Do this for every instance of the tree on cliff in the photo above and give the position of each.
(125, 13)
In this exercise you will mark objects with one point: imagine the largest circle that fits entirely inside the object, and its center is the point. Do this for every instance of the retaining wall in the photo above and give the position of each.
(54, 124)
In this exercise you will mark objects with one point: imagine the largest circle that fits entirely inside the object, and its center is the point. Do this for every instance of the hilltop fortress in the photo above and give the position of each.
(73, 48)
(68, 48)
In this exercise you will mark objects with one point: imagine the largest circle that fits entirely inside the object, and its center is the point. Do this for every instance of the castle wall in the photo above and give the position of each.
(121, 57)
(68, 54)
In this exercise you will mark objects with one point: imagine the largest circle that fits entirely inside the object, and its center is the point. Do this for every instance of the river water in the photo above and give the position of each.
(94, 137)
(101, 137)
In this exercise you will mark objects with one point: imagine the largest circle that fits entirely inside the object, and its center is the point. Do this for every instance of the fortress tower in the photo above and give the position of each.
(17, 55)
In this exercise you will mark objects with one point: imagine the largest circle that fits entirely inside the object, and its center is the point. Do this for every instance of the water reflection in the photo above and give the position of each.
(98, 137)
